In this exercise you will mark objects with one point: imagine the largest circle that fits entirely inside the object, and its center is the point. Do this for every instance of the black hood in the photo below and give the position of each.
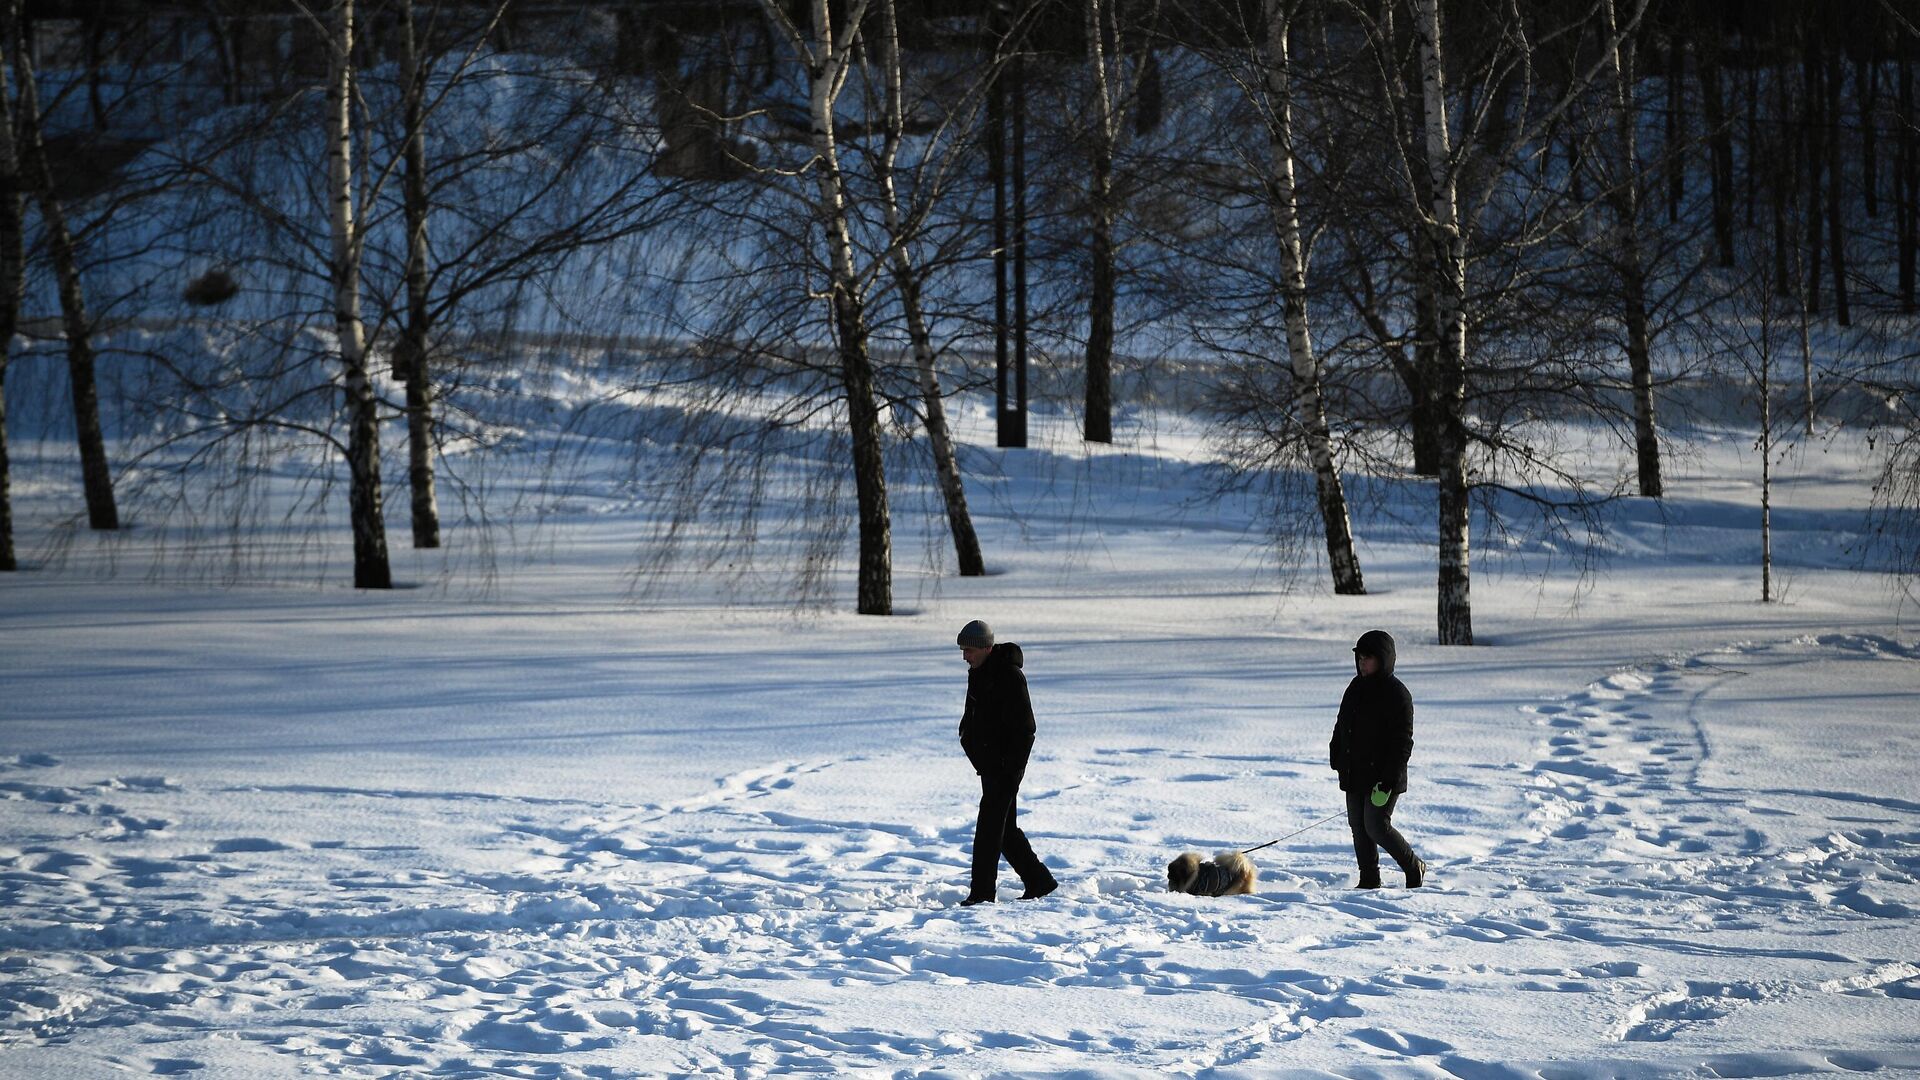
(1005, 653)
(1375, 643)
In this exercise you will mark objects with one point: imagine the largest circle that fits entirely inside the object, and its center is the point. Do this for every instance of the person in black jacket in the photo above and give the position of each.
(996, 731)
(1372, 742)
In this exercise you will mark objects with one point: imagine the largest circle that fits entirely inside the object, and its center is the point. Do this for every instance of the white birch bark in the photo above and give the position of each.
(1437, 161)
(1099, 399)
(1629, 260)
(1445, 266)
(1309, 403)
(370, 567)
(827, 66)
(966, 542)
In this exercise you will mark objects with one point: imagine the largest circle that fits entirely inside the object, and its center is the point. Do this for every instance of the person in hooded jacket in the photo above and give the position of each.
(1372, 742)
(996, 731)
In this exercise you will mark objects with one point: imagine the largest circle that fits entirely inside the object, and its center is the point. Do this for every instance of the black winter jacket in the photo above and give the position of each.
(1373, 738)
(997, 729)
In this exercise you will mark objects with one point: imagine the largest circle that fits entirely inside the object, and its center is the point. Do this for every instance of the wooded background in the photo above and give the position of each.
(1383, 238)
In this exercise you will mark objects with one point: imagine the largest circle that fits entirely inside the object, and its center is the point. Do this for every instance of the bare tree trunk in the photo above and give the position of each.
(966, 544)
(1676, 163)
(1009, 429)
(1766, 466)
(1786, 175)
(826, 66)
(13, 264)
(1646, 436)
(410, 361)
(1812, 117)
(1009, 248)
(1575, 178)
(1418, 375)
(1445, 265)
(96, 476)
(7, 561)
(1629, 261)
(1412, 371)
(1720, 147)
(1836, 195)
(226, 52)
(1904, 182)
(1866, 88)
(1099, 405)
(96, 33)
(370, 567)
(1310, 407)
(1018, 185)
(1753, 140)
(1427, 420)
(1806, 367)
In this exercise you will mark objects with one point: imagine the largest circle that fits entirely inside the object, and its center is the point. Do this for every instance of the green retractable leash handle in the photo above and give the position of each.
(1379, 797)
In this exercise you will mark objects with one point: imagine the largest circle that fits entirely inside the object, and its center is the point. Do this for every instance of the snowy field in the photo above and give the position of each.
(548, 832)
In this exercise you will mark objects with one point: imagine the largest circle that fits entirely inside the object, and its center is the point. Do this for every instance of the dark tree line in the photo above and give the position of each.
(1396, 238)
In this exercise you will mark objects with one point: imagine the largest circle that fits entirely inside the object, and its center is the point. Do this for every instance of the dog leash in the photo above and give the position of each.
(1294, 833)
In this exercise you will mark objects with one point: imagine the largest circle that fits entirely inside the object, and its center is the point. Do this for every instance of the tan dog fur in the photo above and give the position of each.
(1229, 874)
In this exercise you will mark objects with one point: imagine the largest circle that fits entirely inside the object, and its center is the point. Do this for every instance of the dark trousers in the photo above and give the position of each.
(1372, 830)
(996, 835)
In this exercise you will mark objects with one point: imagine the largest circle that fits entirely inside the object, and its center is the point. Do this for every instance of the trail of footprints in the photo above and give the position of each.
(1620, 752)
(686, 927)
(632, 929)
(1618, 789)
(613, 939)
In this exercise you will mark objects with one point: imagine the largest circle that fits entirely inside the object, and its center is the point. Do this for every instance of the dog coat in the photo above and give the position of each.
(1212, 879)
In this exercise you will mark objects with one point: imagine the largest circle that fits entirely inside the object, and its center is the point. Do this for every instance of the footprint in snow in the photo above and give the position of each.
(1400, 1042)
(1662, 1016)
(142, 784)
(248, 843)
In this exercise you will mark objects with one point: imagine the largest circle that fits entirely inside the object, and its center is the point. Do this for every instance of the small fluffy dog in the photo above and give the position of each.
(1229, 874)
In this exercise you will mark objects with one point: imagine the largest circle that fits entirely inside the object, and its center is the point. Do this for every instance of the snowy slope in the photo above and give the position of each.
(545, 831)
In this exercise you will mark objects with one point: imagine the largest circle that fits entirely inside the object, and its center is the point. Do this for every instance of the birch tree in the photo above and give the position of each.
(1446, 266)
(953, 491)
(96, 476)
(1101, 215)
(1627, 258)
(1310, 405)
(827, 63)
(1110, 103)
(1452, 179)
(371, 569)
(1757, 319)
(419, 317)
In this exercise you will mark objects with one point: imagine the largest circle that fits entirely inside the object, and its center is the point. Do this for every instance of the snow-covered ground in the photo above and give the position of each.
(547, 831)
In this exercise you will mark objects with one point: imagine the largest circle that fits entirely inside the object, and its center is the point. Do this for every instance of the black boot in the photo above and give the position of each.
(1417, 876)
(977, 898)
(1035, 892)
(1369, 879)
